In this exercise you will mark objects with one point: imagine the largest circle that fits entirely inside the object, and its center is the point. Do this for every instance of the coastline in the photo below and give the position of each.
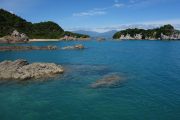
(43, 40)
(55, 40)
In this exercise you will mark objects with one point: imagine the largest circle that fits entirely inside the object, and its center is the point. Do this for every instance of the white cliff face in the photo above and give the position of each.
(171, 37)
(175, 36)
(128, 37)
(138, 36)
(165, 37)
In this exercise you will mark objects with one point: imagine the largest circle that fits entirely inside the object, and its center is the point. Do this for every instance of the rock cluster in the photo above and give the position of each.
(15, 37)
(79, 46)
(22, 70)
(17, 48)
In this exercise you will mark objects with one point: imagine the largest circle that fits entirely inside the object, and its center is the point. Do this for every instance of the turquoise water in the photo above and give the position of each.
(151, 90)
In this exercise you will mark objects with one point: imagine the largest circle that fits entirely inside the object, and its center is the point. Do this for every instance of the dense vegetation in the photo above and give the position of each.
(50, 30)
(47, 30)
(150, 33)
(76, 34)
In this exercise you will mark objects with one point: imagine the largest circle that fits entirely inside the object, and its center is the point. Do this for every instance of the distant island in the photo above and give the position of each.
(12, 26)
(166, 32)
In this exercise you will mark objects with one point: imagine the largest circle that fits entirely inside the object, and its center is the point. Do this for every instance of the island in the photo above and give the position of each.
(166, 32)
(15, 29)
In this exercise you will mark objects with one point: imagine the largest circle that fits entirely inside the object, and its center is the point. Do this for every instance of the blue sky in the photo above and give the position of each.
(98, 15)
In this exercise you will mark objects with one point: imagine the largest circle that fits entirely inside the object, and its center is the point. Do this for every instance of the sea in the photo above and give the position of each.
(150, 90)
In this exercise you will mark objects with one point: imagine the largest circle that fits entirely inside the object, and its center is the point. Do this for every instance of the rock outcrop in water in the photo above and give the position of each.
(107, 81)
(73, 47)
(18, 48)
(22, 70)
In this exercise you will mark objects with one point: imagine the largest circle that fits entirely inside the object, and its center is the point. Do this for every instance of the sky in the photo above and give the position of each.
(98, 15)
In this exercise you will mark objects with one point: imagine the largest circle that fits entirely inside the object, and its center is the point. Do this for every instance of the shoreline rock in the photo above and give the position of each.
(22, 70)
(18, 48)
(79, 47)
(15, 37)
(140, 37)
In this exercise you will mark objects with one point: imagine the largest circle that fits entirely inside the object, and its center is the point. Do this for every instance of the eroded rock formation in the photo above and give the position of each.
(15, 37)
(79, 46)
(22, 70)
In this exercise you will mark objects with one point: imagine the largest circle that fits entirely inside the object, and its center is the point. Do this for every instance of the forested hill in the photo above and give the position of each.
(42, 30)
(163, 32)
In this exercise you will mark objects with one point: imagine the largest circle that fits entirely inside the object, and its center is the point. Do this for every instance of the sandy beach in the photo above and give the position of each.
(43, 40)
(47, 40)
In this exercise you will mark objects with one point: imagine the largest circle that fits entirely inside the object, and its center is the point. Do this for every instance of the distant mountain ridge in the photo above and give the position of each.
(108, 34)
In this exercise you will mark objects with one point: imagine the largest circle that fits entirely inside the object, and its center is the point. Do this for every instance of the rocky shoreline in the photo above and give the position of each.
(22, 70)
(140, 37)
(166, 32)
(19, 48)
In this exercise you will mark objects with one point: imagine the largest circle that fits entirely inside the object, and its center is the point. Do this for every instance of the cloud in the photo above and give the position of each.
(142, 25)
(170, 21)
(94, 12)
(99, 11)
(119, 5)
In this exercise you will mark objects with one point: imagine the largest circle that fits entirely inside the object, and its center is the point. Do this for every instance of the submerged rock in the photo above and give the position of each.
(107, 81)
(100, 39)
(79, 47)
(22, 70)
